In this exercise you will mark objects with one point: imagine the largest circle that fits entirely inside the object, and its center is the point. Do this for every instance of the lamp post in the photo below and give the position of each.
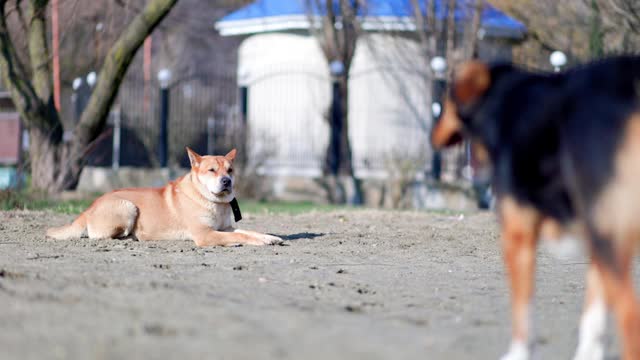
(336, 68)
(164, 78)
(557, 59)
(439, 67)
(76, 100)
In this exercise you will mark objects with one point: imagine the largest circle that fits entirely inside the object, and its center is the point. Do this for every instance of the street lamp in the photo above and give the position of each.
(164, 78)
(438, 65)
(557, 59)
(76, 100)
(92, 78)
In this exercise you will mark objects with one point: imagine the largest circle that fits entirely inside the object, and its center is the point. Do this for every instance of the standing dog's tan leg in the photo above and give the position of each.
(520, 230)
(594, 318)
(614, 233)
(619, 291)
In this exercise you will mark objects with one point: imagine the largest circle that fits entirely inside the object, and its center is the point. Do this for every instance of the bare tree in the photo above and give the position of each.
(451, 34)
(616, 25)
(425, 21)
(56, 162)
(471, 45)
(582, 28)
(337, 35)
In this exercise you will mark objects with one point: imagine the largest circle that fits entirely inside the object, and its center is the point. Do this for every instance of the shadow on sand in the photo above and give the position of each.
(298, 236)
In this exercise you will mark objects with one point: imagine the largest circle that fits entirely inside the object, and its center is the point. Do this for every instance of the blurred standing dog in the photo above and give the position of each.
(193, 207)
(565, 152)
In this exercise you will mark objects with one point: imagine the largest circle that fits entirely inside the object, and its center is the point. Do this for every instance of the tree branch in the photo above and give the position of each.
(39, 49)
(18, 9)
(425, 26)
(627, 12)
(451, 35)
(472, 43)
(330, 35)
(15, 78)
(315, 26)
(115, 66)
(421, 28)
(350, 30)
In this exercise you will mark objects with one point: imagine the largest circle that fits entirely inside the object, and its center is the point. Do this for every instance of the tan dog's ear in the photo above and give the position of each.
(231, 155)
(471, 80)
(194, 158)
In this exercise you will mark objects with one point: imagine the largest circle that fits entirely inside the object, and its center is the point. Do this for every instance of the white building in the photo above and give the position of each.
(289, 87)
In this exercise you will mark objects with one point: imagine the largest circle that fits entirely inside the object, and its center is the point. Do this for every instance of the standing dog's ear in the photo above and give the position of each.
(194, 158)
(447, 131)
(231, 155)
(471, 81)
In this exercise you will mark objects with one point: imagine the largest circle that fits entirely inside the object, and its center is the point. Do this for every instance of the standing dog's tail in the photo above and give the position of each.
(74, 230)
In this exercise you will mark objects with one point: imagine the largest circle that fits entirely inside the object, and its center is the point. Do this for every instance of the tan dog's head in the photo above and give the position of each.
(213, 175)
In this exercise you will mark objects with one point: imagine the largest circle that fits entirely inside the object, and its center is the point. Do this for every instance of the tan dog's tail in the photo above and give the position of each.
(74, 230)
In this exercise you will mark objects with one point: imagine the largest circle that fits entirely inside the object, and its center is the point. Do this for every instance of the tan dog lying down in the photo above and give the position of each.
(193, 207)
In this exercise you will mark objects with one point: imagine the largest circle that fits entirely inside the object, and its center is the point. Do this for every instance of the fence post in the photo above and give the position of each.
(439, 87)
(164, 77)
(211, 128)
(117, 120)
(77, 99)
(164, 120)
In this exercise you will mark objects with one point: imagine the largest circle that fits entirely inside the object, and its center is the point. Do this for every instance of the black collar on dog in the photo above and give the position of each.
(236, 209)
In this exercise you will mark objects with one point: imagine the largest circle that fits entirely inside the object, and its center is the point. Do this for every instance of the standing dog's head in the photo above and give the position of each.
(483, 100)
(213, 175)
(498, 103)
(470, 84)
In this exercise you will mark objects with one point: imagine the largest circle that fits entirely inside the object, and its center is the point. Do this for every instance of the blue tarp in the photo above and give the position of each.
(266, 9)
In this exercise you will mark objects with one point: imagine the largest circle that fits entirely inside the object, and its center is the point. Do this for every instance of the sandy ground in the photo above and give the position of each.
(348, 285)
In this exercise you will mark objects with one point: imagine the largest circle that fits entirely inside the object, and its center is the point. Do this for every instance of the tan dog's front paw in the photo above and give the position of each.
(264, 239)
(259, 238)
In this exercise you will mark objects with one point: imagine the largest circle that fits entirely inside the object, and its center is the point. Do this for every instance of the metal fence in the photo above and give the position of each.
(205, 114)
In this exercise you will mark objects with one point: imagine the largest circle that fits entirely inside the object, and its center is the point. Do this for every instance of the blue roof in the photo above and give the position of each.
(273, 15)
(266, 8)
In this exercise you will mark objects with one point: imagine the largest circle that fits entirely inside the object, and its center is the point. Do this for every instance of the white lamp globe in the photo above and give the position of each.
(91, 78)
(558, 59)
(438, 65)
(77, 82)
(164, 77)
(336, 67)
(436, 109)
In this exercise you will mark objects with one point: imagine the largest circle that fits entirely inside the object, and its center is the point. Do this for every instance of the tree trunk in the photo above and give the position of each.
(338, 45)
(339, 178)
(44, 156)
(471, 50)
(451, 36)
(338, 166)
